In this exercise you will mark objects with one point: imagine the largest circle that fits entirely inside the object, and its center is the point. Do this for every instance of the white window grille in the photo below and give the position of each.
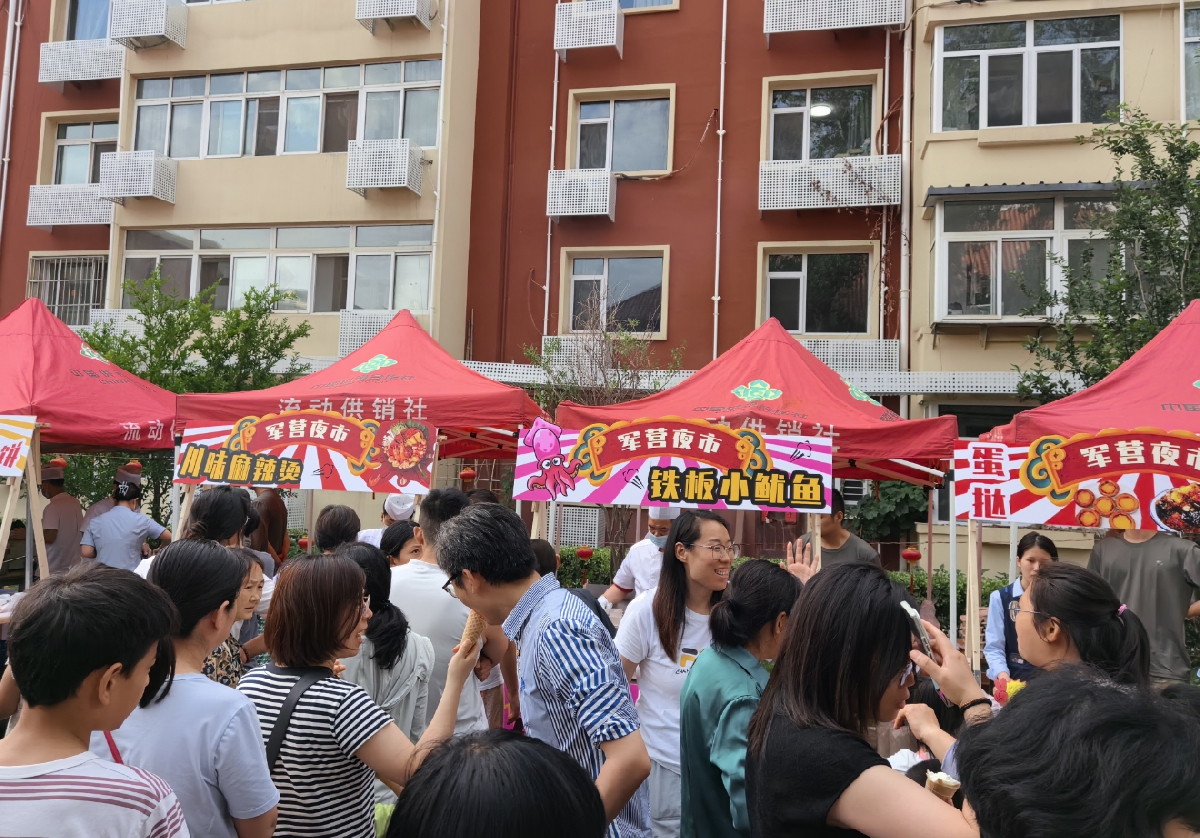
(368, 12)
(121, 319)
(581, 192)
(137, 174)
(867, 181)
(383, 164)
(845, 356)
(71, 286)
(574, 526)
(63, 61)
(588, 23)
(802, 15)
(357, 327)
(53, 205)
(297, 508)
(138, 24)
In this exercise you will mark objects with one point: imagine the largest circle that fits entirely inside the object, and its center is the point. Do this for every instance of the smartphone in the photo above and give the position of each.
(918, 628)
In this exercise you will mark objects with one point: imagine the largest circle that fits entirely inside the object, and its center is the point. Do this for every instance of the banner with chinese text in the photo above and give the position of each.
(362, 447)
(674, 462)
(15, 435)
(1143, 478)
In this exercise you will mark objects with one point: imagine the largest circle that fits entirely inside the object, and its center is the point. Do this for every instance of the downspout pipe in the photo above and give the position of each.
(905, 205)
(434, 264)
(550, 221)
(716, 299)
(885, 227)
(7, 83)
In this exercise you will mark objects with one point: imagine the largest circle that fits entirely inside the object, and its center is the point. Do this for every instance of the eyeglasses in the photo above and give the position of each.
(1014, 608)
(719, 550)
(449, 586)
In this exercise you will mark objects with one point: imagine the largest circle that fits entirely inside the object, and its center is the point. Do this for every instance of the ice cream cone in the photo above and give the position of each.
(943, 785)
(472, 630)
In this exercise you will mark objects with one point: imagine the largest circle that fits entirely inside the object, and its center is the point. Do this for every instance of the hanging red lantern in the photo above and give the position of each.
(303, 542)
(911, 555)
(584, 553)
(467, 475)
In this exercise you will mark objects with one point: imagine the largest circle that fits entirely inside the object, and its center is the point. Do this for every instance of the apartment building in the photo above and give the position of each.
(324, 146)
(1002, 190)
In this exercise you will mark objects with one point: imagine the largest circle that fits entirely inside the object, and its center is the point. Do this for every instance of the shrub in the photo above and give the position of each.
(941, 590)
(570, 572)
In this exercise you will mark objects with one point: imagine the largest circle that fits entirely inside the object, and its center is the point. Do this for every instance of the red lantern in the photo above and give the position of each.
(303, 542)
(911, 555)
(584, 553)
(467, 475)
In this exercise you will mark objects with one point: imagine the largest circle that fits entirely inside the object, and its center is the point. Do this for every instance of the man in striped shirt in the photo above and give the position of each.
(83, 650)
(574, 693)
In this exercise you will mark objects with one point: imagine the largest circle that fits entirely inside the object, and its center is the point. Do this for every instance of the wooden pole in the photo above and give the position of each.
(974, 545)
(929, 548)
(10, 510)
(33, 477)
(953, 530)
(538, 526)
(814, 527)
(185, 508)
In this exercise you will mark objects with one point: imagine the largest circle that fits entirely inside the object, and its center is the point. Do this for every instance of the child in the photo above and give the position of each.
(85, 648)
(1004, 663)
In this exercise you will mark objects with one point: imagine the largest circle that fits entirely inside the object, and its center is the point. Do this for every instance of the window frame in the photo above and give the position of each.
(1029, 52)
(802, 276)
(808, 248)
(90, 141)
(579, 96)
(1057, 239)
(1185, 41)
(567, 255)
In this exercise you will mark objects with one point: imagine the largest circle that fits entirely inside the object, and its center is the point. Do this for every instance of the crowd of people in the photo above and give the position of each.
(214, 687)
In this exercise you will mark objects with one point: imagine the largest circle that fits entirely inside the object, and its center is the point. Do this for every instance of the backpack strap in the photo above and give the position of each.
(112, 748)
(309, 677)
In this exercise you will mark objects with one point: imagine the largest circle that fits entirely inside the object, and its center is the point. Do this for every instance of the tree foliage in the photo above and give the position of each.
(894, 512)
(1153, 266)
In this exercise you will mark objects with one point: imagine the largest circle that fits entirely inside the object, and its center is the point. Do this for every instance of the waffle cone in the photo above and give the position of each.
(942, 785)
(472, 630)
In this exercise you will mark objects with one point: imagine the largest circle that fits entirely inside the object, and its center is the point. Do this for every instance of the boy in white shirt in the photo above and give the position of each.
(84, 651)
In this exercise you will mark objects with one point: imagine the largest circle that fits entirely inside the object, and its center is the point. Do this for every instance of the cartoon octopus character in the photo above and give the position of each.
(557, 475)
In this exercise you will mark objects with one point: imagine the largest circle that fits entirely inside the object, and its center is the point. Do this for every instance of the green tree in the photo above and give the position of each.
(1152, 271)
(186, 346)
(890, 515)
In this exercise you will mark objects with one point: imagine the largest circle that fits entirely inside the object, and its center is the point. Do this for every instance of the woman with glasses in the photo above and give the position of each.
(663, 631)
(846, 663)
(1034, 551)
(337, 740)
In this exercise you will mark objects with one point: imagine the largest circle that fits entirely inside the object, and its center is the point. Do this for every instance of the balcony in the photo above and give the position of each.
(60, 205)
(581, 192)
(588, 23)
(804, 15)
(357, 326)
(76, 61)
(384, 164)
(369, 12)
(137, 174)
(139, 24)
(71, 286)
(854, 355)
(867, 181)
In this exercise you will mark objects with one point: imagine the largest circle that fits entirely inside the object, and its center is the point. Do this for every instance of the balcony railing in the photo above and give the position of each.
(357, 326)
(803, 15)
(137, 174)
(138, 24)
(63, 61)
(866, 181)
(848, 355)
(588, 23)
(368, 12)
(581, 192)
(57, 205)
(70, 286)
(384, 164)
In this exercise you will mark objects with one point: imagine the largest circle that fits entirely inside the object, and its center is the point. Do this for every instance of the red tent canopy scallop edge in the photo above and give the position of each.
(770, 378)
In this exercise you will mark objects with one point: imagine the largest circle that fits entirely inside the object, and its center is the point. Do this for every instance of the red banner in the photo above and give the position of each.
(1114, 452)
(308, 427)
(693, 440)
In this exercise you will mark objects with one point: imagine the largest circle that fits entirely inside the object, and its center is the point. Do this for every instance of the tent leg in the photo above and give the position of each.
(29, 548)
(953, 532)
(310, 520)
(10, 509)
(175, 496)
(974, 551)
(1014, 536)
(185, 508)
(33, 474)
(929, 549)
(814, 527)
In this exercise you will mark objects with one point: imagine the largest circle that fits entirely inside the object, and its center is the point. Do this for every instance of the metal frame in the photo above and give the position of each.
(588, 23)
(139, 24)
(367, 12)
(802, 278)
(384, 164)
(59, 204)
(803, 15)
(581, 192)
(137, 174)
(356, 327)
(866, 181)
(75, 61)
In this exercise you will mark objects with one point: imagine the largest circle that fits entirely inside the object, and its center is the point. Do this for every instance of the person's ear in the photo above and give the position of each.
(557, 562)
(105, 682)
(1051, 631)
(681, 552)
(419, 536)
(780, 624)
(471, 582)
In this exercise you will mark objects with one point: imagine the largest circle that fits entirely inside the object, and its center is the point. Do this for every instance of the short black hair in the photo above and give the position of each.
(395, 537)
(1075, 754)
(500, 784)
(1036, 539)
(52, 481)
(316, 605)
(440, 506)
(482, 496)
(127, 491)
(836, 502)
(219, 513)
(335, 526)
(488, 539)
(89, 618)
(547, 556)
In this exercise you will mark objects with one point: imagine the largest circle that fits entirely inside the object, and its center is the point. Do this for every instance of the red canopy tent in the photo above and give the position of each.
(770, 378)
(83, 402)
(1156, 388)
(403, 368)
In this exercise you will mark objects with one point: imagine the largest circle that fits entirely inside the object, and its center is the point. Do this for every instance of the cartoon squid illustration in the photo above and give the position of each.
(557, 475)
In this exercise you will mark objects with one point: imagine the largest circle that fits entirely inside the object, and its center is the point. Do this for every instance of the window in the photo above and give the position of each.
(87, 20)
(821, 123)
(625, 292)
(997, 254)
(624, 135)
(77, 151)
(820, 293)
(1191, 61)
(1029, 72)
(71, 286)
(325, 268)
(322, 110)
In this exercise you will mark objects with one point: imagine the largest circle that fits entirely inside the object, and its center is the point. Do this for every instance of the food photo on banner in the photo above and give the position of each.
(671, 461)
(1142, 478)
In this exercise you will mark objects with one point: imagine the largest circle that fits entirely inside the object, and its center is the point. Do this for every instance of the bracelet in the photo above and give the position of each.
(976, 703)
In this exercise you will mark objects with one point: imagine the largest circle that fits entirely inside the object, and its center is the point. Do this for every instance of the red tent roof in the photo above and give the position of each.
(1157, 388)
(403, 364)
(88, 403)
(769, 377)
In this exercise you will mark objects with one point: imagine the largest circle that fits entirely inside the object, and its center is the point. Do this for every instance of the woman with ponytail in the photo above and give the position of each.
(721, 693)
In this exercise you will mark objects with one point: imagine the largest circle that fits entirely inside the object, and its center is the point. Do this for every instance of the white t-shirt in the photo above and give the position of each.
(86, 797)
(639, 571)
(213, 758)
(661, 678)
(63, 513)
(433, 613)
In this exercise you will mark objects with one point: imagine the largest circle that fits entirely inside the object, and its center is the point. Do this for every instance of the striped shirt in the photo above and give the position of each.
(324, 790)
(574, 693)
(86, 797)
